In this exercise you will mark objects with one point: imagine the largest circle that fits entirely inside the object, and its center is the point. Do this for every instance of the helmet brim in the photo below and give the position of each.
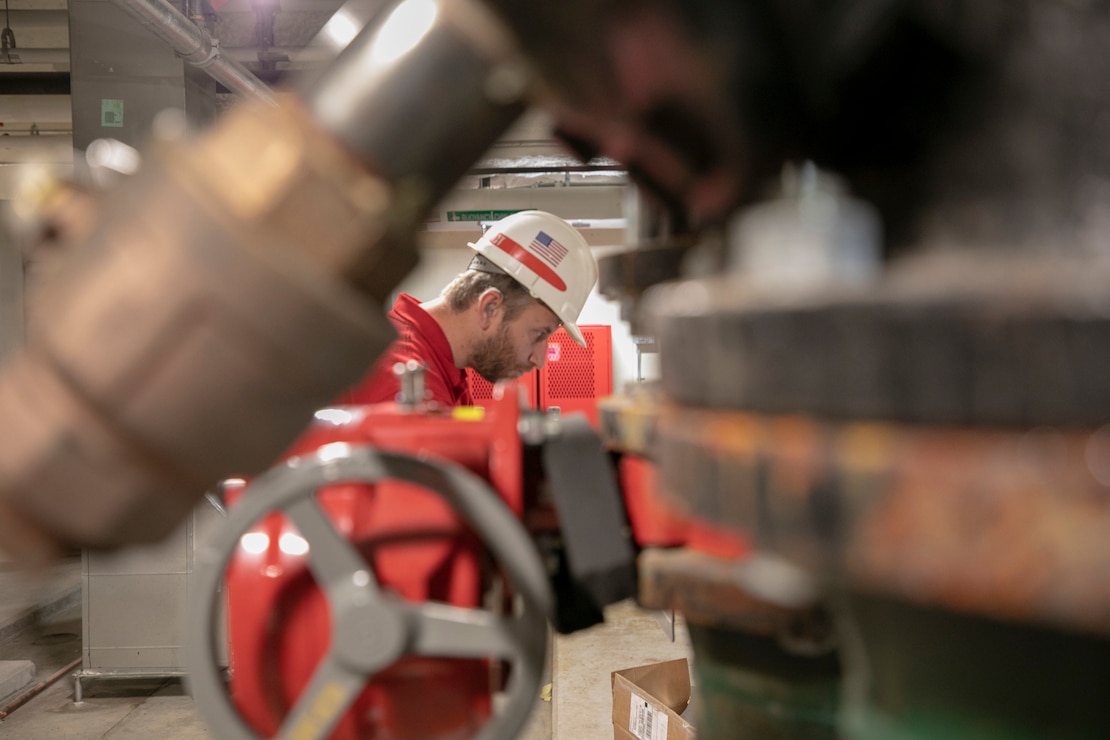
(575, 333)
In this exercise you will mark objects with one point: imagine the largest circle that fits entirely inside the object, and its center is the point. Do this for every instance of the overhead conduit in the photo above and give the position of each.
(195, 46)
(191, 42)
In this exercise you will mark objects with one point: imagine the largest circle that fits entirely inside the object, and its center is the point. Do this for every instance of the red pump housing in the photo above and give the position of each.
(278, 620)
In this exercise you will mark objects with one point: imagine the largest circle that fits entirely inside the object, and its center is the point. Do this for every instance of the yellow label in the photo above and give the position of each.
(326, 706)
(468, 413)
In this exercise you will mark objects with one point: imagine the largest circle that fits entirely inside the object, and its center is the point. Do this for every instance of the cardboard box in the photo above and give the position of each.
(648, 702)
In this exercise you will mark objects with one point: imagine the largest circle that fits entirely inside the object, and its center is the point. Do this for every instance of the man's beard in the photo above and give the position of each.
(493, 358)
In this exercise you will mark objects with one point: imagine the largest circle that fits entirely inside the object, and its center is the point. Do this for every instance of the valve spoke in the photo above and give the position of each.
(331, 557)
(449, 631)
(324, 701)
(373, 629)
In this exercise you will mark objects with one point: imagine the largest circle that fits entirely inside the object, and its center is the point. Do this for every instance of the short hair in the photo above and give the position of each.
(468, 286)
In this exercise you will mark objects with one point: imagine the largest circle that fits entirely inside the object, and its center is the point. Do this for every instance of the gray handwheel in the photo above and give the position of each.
(371, 628)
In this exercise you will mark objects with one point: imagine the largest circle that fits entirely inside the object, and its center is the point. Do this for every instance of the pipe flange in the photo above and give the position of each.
(1023, 345)
(1007, 524)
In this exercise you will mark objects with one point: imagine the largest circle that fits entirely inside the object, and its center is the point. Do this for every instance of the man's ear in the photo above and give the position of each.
(489, 304)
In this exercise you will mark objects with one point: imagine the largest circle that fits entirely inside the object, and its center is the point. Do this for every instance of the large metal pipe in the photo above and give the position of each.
(234, 284)
(313, 55)
(465, 65)
(195, 46)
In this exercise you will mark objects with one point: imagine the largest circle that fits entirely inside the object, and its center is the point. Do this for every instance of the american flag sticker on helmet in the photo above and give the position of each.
(548, 248)
(529, 260)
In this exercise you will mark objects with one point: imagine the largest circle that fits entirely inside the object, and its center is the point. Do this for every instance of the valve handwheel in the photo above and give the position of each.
(372, 628)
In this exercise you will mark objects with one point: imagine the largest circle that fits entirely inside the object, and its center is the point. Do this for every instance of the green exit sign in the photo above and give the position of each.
(479, 215)
(111, 113)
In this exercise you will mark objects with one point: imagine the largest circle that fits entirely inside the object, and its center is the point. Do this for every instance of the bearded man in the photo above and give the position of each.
(532, 274)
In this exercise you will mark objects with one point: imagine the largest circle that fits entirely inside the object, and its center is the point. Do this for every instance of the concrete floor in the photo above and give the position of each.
(40, 621)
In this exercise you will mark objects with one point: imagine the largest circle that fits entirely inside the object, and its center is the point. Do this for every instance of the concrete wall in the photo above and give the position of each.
(11, 291)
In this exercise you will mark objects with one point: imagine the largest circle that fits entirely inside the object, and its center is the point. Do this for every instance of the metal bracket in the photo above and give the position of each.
(213, 55)
(7, 42)
(599, 550)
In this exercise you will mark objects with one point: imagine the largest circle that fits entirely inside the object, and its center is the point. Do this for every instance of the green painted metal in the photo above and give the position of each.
(483, 215)
(926, 673)
(864, 724)
(748, 686)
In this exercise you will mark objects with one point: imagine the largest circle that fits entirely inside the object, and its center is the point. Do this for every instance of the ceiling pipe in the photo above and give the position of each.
(195, 46)
(314, 56)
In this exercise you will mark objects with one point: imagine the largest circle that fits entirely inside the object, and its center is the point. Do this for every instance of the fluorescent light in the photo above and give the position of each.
(403, 30)
(255, 543)
(340, 30)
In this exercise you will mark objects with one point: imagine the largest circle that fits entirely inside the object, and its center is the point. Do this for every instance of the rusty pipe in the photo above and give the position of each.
(31, 693)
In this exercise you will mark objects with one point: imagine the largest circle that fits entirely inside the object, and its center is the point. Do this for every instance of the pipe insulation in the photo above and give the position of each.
(195, 46)
(298, 56)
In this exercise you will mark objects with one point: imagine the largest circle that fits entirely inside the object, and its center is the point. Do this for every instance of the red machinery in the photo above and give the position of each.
(371, 577)
(355, 596)
(573, 379)
(482, 391)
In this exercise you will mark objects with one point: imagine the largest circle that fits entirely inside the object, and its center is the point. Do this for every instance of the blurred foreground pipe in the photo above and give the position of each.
(235, 284)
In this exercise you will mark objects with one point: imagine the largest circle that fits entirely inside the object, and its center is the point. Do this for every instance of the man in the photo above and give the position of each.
(532, 273)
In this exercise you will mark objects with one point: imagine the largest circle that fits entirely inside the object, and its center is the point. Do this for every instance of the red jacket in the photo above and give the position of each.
(419, 338)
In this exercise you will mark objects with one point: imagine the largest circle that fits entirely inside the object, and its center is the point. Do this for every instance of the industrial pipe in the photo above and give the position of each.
(195, 46)
(461, 57)
(235, 283)
(313, 55)
(37, 689)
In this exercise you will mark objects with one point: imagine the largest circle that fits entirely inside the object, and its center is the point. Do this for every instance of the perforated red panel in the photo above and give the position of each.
(482, 390)
(575, 377)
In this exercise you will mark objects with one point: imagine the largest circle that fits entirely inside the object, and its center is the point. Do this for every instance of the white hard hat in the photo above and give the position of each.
(547, 256)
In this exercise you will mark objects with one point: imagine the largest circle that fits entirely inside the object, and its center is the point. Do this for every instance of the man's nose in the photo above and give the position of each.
(539, 356)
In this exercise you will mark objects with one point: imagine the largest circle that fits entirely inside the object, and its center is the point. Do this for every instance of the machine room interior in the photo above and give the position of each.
(837, 437)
